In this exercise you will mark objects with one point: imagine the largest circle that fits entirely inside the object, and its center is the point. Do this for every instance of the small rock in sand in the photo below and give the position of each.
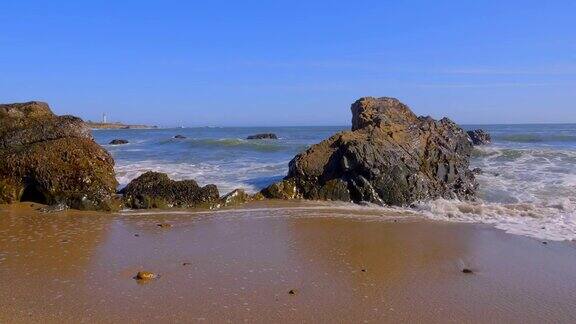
(56, 208)
(292, 292)
(467, 271)
(164, 225)
(146, 275)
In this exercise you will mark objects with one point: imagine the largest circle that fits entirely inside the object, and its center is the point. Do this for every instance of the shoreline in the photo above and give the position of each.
(342, 264)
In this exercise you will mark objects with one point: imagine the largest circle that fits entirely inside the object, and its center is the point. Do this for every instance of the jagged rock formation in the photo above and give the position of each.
(390, 157)
(479, 137)
(52, 160)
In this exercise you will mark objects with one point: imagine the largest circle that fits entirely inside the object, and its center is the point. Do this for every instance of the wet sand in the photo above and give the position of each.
(342, 265)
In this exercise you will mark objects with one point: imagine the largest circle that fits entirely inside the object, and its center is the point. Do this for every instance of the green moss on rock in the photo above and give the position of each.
(156, 190)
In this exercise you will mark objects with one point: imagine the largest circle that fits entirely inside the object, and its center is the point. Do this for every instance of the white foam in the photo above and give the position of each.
(539, 221)
(306, 209)
(226, 176)
(524, 191)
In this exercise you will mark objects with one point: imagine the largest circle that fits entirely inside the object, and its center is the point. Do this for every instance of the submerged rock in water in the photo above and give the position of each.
(391, 156)
(52, 160)
(118, 142)
(179, 137)
(156, 190)
(262, 136)
(479, 137)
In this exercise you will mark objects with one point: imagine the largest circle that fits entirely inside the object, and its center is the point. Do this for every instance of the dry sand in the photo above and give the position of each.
(342, 265)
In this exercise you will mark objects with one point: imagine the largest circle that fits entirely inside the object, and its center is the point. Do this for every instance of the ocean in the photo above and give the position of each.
(528, 186)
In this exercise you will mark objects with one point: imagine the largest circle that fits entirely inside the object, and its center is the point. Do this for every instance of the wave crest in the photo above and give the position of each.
(233, 143)
(538, 138)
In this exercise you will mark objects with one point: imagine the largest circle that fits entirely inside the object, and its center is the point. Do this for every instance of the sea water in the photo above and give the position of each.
(528, 184)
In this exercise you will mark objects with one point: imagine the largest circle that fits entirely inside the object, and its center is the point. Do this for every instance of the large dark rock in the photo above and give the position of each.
(479, 137)
(156, 190)
(52, 160)
(32, 122)
(390, 157)
(262, 136)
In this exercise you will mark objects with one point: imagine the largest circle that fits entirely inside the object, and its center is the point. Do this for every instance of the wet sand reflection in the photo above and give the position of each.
(270, 264)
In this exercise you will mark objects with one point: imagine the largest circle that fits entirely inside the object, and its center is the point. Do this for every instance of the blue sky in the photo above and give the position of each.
(290, 62)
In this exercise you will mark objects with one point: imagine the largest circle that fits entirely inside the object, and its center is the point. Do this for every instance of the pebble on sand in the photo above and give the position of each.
(146, 275)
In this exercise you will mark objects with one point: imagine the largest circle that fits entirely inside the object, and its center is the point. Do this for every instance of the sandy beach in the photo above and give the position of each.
(287, 162)
(276, 262)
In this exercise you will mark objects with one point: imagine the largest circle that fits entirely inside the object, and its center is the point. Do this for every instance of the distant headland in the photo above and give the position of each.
(116, 125)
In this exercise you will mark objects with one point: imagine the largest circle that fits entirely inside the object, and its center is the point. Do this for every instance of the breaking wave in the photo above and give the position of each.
(250, 176)
(233, 143)
(522, 191)
(528, 184)
(537, 138)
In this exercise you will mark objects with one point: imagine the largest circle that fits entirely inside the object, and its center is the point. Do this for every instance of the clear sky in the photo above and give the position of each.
(290, 62)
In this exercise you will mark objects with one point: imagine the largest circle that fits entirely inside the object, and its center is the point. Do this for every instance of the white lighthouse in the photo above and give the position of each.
(104, 118)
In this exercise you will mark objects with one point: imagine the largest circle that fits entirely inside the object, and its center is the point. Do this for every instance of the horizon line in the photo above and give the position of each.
(334, 125)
